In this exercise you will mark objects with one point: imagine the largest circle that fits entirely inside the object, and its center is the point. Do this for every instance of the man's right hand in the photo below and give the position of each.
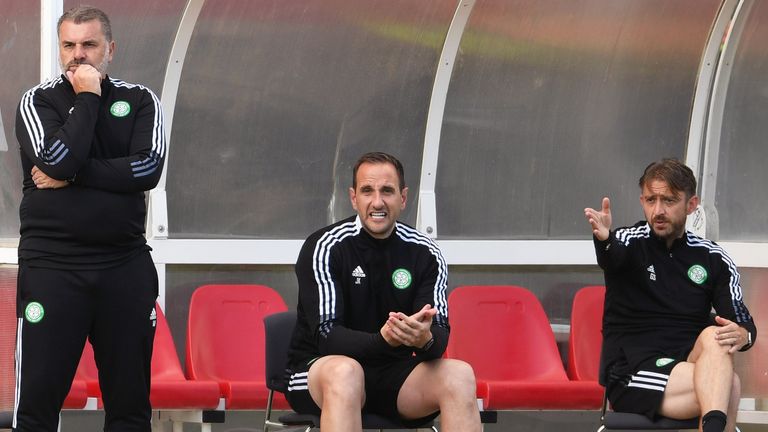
(413, 330)
(85, 78)
(600, 220)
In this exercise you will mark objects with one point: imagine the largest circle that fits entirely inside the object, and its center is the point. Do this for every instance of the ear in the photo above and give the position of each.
(693, 202)
(111, 53)
(353, 198)
(404, 195)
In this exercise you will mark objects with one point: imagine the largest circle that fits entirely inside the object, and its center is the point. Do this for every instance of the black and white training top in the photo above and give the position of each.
(111, 150)
(659, 299)
(350, 281)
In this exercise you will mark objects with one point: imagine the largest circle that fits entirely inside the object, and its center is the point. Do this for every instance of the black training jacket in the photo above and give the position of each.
(350, 281)
(111, 150)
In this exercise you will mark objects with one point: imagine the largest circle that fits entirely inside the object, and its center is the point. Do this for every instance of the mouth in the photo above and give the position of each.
(377, 215)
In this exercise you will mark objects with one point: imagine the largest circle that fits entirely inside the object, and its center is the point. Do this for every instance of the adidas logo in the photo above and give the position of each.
(651, 273)
(153, 317)
(358, 272)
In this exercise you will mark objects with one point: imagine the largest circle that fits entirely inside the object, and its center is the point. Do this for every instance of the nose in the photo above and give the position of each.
(79, 52)
(377, 200)
(658, 208)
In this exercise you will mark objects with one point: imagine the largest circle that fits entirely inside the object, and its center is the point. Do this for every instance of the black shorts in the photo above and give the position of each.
(637, 384)
(382, 386)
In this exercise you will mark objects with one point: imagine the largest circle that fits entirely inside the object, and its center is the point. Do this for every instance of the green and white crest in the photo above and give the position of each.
(120, 109)
(697, 274)
(401, 278)
(663, 362)
(34, 312)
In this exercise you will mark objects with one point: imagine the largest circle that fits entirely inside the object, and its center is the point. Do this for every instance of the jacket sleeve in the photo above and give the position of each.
(58, 146)
(432, 291)
(611, 253)
(321, 299)
(727, 298)
(140, 170)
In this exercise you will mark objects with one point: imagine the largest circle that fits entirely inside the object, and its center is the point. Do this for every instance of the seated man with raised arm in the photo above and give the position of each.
(661, 354)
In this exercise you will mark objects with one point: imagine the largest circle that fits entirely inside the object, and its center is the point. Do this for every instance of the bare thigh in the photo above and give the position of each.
(680, 400)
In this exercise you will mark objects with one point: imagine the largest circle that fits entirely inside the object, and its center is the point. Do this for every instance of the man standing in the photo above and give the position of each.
(373, 318)
(661, 355)
(91, 146)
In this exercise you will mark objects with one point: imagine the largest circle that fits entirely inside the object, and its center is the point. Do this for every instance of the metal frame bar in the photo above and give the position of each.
(704, 84)
(426, 214)
(50, 11)
(713, 131)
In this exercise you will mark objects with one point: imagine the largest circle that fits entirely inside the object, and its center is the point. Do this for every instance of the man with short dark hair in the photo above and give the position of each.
(661, 355)
(91, 145)
(373, 319)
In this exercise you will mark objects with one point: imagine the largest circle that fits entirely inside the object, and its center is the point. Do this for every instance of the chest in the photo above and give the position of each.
(681, 278)
(115, 122)
(383, 279)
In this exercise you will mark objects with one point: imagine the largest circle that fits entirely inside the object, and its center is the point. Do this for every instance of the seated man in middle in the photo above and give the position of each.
(373, 317)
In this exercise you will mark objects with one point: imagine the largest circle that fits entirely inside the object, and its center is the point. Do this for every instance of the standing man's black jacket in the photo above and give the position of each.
(110, 149)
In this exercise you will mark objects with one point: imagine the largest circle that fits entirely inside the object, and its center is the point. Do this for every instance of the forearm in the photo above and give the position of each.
(57, 147)
(135, 173)
(353, 343)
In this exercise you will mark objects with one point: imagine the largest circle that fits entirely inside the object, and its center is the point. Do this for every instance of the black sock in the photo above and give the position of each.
(713, 421)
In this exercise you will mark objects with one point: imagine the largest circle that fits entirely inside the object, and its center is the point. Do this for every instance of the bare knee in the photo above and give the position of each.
(339, 378)
(458, 380)
(708, 341)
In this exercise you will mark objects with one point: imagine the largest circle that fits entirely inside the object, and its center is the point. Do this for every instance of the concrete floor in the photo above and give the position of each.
(251, 421)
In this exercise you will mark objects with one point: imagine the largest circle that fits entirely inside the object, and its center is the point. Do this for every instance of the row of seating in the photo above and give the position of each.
(502, 331)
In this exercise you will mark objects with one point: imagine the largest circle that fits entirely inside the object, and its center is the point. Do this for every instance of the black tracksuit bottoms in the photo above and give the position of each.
(57, 309)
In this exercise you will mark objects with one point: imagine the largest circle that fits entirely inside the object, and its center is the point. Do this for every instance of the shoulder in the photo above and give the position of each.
(47, 86)
(410, 235)
(636, 232)
(331, 235)
(137, 90)
(709, 247)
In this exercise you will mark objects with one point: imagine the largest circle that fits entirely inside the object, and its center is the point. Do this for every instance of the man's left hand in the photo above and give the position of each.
(730, 333)
(42, 181)
(414, 330)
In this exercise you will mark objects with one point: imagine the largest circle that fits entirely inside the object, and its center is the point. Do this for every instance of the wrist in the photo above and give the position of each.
(428, 344)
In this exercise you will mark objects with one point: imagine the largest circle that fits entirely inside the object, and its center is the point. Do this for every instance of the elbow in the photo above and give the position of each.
(58, 171)
(147, 171)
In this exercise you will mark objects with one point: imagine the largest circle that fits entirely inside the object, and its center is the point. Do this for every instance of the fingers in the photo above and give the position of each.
(411, 330)
(722, 321)
(426, 312)
(730, 334)
(42, 181)
(86, 78)
(606, 205)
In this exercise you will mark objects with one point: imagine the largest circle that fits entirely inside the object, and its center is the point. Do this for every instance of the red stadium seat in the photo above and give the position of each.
(586, 334)
(225, 341)
(503, 332)
(170, 389)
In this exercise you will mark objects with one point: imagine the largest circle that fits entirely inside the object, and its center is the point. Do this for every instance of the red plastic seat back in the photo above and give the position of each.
(165, 359)
(225, 331)
(586, 336)
(504, 333)
(7, 336)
